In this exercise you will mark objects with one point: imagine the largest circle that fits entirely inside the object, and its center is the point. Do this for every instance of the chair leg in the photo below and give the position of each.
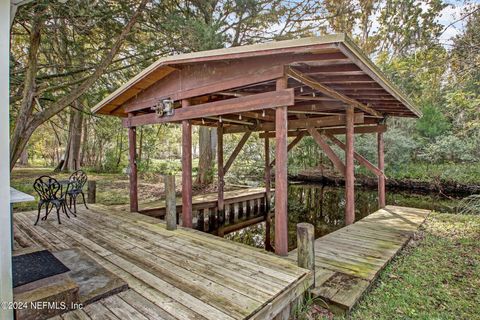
(38, 215)
(47, 211)
(58, 215)
(64, 207)
(75, 204)
(84, 202)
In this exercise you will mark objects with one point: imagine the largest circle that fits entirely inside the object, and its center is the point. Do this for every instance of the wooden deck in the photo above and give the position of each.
(182, 274)
(348, 260)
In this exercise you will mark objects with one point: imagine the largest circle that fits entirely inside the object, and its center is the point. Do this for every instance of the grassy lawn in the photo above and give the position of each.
(466, 173)
(112, 188)
(437, 276)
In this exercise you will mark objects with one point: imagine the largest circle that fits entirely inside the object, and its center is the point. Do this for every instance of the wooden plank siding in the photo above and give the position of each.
(181, 274)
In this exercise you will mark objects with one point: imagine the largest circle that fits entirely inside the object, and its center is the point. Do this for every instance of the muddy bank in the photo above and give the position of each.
(446, 187)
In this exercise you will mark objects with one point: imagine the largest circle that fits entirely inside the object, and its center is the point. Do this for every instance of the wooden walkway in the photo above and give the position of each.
(243, 207)
(182, 274)
(348, 260)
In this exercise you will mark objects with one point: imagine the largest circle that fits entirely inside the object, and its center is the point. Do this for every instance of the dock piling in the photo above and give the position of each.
(92, 191)
(306, 246)
(170, 203)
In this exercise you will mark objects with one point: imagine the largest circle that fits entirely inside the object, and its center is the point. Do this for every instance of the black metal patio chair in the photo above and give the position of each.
(77, 181)
(51, 193)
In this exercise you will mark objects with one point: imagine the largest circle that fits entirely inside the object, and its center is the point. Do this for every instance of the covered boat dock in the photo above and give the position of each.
(322, 87)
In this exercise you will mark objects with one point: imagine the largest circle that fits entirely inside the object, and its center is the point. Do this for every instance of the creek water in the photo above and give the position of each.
(323, 206)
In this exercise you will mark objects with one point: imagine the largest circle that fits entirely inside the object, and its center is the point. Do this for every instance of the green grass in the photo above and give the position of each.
(466, 173)
(112, 188)
(437, 276)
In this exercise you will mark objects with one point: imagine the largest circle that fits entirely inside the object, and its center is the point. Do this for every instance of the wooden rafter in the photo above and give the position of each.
(311, 82)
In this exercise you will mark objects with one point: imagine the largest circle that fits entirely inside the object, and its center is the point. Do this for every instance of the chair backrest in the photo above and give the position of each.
(78, 179)
(46, 187)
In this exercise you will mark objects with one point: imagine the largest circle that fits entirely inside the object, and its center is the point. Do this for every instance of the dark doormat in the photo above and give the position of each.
(34, 266)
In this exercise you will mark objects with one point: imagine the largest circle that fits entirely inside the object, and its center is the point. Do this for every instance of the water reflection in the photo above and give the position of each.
(323, 206)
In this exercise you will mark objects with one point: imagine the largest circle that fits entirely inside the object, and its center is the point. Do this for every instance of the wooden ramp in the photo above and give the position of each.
(348, 260)
(182, 274)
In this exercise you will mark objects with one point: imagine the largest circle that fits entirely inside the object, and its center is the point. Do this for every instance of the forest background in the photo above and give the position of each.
(68, 55)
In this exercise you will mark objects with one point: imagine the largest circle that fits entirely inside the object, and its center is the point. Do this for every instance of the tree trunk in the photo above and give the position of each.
(20, 134)
(84, 147)
(72, 151)
(207, 150)
(24, 158)
(27, 122)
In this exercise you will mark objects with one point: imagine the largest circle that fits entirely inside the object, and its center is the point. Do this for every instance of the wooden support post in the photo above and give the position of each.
(132, 147)
(186, 170)
(268, 244)
(381, 167)
(281, 184)
(92, 191)
(221, 182)
(349, 168)
(170, 202)
(306, 247)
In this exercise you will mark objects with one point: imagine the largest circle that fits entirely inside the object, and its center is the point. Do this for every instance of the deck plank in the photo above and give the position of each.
(182, 274)
(354, 255)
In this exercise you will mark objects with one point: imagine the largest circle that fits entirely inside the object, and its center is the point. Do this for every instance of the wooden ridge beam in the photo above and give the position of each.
(235, 105)
(362, 160)
(311, 82)
(333, 131)
(327, 121)
(236, 151)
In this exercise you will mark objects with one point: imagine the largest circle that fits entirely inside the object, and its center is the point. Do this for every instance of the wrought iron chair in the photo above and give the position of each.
(51, 193)
(77, 181)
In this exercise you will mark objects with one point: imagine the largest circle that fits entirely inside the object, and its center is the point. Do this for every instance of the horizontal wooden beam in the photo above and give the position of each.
(327, 121)
(311, 82)
(235, 105)
(334, 131)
